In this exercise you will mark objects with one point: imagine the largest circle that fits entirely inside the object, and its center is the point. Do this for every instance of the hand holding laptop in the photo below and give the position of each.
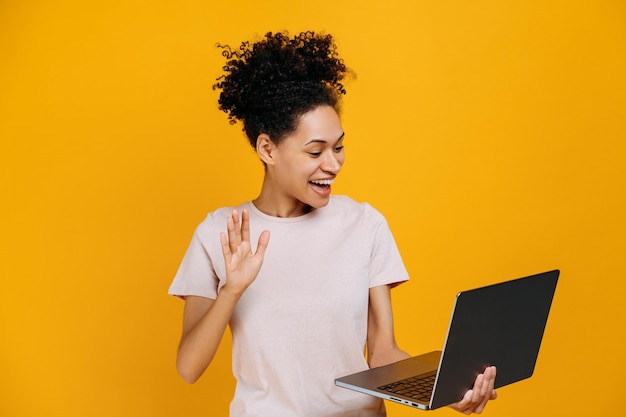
(475, 400)
(500, 324)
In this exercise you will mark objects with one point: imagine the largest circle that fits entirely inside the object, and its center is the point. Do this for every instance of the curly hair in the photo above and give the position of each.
(269, 84)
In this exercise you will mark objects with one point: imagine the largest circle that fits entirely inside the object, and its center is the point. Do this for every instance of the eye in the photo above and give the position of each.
(315, 154)
(339, 148)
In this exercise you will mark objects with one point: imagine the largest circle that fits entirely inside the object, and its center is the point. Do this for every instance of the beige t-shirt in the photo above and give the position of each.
(303, 322)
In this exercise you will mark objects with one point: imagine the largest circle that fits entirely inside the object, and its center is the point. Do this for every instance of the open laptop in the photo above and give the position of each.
(500, 324)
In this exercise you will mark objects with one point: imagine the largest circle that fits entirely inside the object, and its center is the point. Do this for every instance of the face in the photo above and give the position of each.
(305, 163)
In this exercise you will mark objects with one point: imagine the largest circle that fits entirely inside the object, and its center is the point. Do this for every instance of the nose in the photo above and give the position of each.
(332, 162)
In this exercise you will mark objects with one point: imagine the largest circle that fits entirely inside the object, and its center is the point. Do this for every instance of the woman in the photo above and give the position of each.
(302, 309)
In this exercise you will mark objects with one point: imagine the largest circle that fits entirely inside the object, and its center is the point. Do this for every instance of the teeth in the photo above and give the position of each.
(323, 182)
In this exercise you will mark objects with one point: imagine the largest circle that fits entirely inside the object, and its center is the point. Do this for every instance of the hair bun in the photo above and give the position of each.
(282, 74)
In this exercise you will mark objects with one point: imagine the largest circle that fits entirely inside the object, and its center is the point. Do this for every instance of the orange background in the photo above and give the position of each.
(490, 134)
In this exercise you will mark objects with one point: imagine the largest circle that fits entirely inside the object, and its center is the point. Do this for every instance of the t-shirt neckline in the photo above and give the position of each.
(253, 209)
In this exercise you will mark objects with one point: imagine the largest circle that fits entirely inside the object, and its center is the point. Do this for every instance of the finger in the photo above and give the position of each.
(464, 405)
(491, 392)
(245, 225)
(264, 240)
(225, 248)
(478, 389)
(232, 235)
(472, 399)
(489, 379)
(487, 388)
(237, 225)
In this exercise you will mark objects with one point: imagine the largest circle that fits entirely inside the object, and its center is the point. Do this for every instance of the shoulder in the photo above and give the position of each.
(343, 202)
(216, 220)
(350, 208)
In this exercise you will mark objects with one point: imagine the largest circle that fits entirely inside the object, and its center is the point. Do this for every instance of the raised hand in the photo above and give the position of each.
(242, 266)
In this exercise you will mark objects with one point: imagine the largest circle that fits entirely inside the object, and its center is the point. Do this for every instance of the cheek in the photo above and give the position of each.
(306, 167)
(297, 170)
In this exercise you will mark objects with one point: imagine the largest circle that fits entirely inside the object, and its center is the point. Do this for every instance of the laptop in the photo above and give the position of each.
(500, 324)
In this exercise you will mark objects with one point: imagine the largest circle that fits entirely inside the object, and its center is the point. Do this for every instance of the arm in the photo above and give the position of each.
(205, 320)
(204, 324)
(382, 349)
(381, 342)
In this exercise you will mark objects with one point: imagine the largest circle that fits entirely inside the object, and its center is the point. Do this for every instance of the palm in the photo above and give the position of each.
(242, 266)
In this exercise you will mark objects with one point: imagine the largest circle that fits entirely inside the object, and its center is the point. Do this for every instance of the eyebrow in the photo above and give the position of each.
(323, 141)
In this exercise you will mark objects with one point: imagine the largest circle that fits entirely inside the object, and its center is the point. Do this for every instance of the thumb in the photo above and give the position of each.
(264, 240)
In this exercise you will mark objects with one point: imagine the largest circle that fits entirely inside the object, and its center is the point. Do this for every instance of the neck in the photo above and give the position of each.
(276, 204)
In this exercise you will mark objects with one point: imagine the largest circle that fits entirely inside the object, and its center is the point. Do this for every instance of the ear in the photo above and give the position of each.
(265, 149)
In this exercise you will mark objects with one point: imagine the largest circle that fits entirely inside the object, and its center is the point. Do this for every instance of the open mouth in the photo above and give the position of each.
(322, 183)
(322, 187)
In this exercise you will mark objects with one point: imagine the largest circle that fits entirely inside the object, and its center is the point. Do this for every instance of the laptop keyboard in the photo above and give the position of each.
(417, 387)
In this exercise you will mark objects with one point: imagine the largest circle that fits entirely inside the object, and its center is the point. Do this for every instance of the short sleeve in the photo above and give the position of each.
(196, 274)
(386, 265)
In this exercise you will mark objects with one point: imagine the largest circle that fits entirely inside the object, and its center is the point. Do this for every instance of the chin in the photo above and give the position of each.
(319, 203)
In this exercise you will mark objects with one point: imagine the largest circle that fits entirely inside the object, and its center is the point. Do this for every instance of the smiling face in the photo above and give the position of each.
(302, 167)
